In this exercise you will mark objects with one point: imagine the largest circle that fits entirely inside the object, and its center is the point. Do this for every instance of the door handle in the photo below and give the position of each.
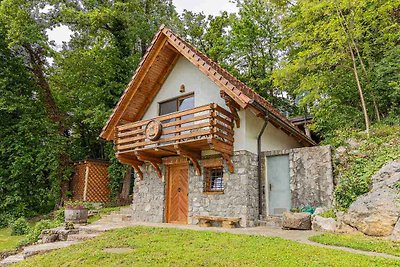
(270, 187)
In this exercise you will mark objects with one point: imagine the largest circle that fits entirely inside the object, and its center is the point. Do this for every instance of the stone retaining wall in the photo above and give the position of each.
(311, 175)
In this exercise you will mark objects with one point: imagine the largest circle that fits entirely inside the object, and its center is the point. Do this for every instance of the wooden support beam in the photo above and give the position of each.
(152, 160)
(175, 160)
(193, 156)
(233, 107)
(219, 146)
(135, 163)
(236, 115)
(229, 162)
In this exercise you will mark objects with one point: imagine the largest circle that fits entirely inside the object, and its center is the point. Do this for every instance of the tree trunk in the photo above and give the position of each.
(378, 116)
(36, 59)
(123, 197)
(346, 29)
(360, 90)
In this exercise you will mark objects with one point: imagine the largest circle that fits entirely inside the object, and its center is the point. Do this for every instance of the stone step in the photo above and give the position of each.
(120, 214)
(94, 228)
(12, 260)
(271, 221)
(42, 248)
(127, 211)
(81, 237)
(115, 218)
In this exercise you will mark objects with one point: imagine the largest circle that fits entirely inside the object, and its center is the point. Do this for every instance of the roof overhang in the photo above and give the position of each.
(154, 68)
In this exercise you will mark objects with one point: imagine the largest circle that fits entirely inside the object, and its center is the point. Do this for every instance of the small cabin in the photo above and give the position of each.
(205, 145)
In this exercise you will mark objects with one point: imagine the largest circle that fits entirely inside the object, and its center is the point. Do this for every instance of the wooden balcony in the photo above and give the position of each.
(185, 133)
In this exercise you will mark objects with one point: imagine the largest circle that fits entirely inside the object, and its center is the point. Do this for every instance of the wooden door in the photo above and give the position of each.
(177, 195)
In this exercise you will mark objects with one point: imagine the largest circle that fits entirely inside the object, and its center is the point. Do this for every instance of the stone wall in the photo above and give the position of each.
(148, 197)
(311, 175)
(240, 197)
(311, 184)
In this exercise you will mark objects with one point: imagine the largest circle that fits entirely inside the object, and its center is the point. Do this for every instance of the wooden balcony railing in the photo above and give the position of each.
(204, 127)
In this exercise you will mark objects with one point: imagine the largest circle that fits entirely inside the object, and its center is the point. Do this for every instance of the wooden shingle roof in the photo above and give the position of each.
(154, 68)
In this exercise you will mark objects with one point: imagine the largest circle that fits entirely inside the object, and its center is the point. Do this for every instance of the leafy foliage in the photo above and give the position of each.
(328, 214)
(35, 231)
(319, 68)
(54, 101)
(29, 142)
(19, 226)
(362, 158)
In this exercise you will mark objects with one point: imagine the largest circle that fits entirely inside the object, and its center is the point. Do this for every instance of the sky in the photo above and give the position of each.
(209, 7)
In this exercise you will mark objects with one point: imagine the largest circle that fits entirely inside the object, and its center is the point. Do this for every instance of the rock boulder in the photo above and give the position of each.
(323, 224)
(377, 212)
(296, 221)
(388, 175)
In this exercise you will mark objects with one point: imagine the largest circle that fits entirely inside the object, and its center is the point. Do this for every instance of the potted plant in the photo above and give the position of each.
(75, 212)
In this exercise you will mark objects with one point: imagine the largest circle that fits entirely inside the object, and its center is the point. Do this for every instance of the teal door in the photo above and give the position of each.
(278, 181)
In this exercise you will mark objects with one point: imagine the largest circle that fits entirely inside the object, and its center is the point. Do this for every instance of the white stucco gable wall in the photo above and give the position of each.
(272, 139)
(205, 92)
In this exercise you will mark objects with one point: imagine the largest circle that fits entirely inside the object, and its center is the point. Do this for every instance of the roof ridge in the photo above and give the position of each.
(246, 90)
(238, 90)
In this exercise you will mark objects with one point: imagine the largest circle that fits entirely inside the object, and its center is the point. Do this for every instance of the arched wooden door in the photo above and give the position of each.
(177, 194)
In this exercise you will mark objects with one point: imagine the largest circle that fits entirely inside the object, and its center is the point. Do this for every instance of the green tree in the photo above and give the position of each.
(93, 69)
(30, 142)
(333, 48)
(254, 48)
(25, 24)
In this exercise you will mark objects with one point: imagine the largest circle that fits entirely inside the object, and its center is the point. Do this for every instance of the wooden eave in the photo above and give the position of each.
(157, 63)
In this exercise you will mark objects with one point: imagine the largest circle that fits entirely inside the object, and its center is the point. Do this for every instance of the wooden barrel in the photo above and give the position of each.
(76, 215)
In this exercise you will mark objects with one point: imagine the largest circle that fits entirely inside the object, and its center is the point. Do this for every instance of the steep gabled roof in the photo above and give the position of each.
(154, 68)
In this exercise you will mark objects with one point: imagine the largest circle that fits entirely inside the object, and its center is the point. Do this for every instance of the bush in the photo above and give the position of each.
(35, 232)
(19, 227)
(328, 214)
(59, 216)
(355, 167)
(5, 219)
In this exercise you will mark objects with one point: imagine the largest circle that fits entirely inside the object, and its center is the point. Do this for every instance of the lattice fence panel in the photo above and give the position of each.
(78, 181)
(98, 181)
(97, 184)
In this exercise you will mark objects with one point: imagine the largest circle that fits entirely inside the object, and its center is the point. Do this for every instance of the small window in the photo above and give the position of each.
(214, 180)
(176, 104)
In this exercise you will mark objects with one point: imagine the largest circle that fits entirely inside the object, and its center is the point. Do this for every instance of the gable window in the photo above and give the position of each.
(176, 104)
(214, 179)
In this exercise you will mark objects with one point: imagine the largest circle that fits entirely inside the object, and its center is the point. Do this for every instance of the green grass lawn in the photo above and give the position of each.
(359, 241)
(172, 247)
(8, 242)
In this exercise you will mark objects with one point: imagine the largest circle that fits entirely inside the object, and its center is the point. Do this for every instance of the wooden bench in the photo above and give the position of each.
(205, 221)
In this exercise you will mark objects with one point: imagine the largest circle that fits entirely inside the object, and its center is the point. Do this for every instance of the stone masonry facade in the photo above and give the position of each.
(311, 183)
(311, 175)
(240, 197)
(148, 197)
